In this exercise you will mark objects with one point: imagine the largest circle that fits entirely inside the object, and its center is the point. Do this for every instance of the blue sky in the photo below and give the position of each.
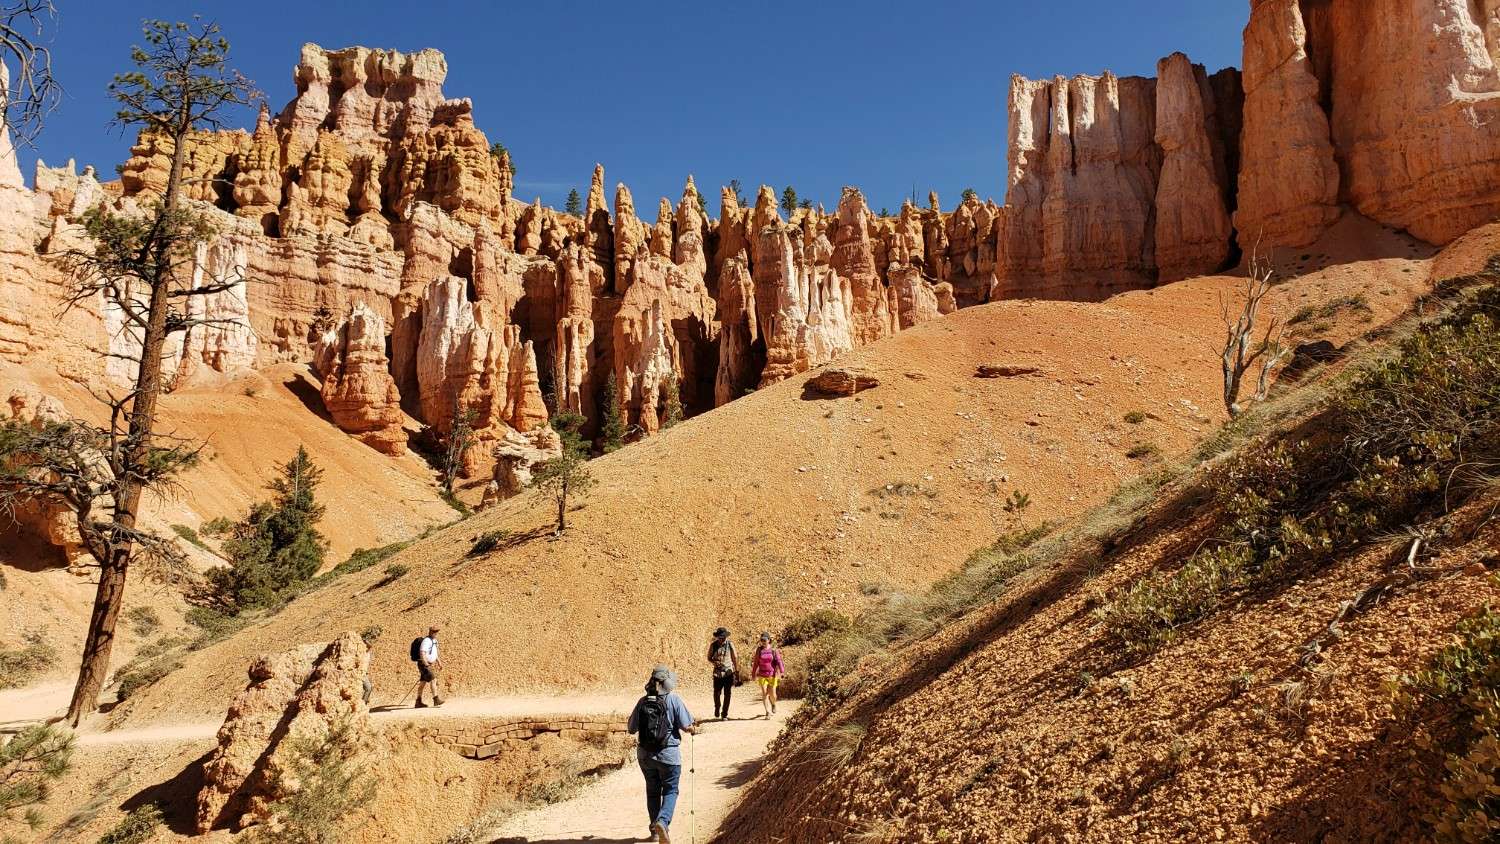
(884, 95)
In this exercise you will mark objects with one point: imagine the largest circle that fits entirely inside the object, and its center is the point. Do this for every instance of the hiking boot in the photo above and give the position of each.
(661, 833)
(437, 701)
(420, 704)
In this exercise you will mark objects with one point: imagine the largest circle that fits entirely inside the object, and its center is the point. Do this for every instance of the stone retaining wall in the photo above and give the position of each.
(481, 739)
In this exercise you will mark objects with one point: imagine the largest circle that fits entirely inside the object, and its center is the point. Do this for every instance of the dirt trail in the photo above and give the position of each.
(524, 706)
(727, 756)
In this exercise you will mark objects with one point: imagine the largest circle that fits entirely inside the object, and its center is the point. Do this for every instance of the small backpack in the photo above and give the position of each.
(416, 649)
(654, 723)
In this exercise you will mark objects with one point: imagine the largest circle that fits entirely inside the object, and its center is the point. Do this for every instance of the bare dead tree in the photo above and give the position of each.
(140, 263)
(1241, 350)
(31, 92)
(460, 437)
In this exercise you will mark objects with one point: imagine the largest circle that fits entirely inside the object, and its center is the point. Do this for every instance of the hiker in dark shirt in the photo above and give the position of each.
(660, 718)
(726, 665)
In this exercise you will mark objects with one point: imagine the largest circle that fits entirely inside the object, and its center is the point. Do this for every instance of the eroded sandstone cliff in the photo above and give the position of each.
(372, 194)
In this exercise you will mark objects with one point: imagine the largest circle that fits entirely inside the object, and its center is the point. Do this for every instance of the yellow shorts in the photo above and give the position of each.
(767, 683)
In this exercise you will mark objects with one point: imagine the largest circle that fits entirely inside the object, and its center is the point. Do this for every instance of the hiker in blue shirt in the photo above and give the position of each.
(660, 718)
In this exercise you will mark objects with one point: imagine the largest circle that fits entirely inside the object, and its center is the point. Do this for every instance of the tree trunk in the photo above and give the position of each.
(111, 593)
(562, 510)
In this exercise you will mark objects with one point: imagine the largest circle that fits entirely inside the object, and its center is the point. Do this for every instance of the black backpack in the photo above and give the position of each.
(654, 724)
(416, 649)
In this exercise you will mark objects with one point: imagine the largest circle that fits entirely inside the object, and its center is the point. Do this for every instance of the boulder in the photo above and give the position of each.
(296, 695)
(840, 381)
(1004, 370)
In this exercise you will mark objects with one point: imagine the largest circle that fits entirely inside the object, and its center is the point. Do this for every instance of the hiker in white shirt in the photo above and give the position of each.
(428, 666)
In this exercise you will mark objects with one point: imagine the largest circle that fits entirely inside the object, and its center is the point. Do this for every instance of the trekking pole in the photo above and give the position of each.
(693, 772)
(413, 688)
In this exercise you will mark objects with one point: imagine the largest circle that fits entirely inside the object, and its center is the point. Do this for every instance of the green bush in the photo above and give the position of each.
(136, 677)
(1143, 451)
(361, 559)
(1135, 417)
(1330, 309)
(1147, 614)
(143, 620)
(19, 666)
(191, 536)
(488, 541)
(1454, 704)
(393, 573)
(214, 624)
(136, 827)
(814, 625)
(832, 660)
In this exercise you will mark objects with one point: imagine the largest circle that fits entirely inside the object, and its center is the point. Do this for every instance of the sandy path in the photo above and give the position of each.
(499, 707)
(728, 754)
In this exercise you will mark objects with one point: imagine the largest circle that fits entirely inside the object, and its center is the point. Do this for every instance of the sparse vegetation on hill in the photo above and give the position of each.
(1454, 707)
(19, 666)
(1400, 444)
(1365, 494)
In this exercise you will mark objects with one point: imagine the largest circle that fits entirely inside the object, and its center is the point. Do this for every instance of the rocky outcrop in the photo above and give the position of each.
(471, 363)
(515, 456)
(48, 518)
(916, 299)
(1193, 232)
(629, 237)
(218, 337)
(663, 329)
(10, 169)
(1083, 165)
(841, 381)
(853, 259)
(1288, 180)
(741, 350)
(368, 134)
(1415, 93)
(803, 308)
(293, 698)
(358, 389)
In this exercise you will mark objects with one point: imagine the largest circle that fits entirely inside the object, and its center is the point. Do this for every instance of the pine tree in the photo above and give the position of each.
(29, 763)
(674, 404)
(134, 262)
(789, 199)
(970, 193)
(277, 545)
(575, 202)
(612, 431)
(568, 473)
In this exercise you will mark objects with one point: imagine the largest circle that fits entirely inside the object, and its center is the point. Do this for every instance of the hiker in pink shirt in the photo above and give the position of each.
(766, 668)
